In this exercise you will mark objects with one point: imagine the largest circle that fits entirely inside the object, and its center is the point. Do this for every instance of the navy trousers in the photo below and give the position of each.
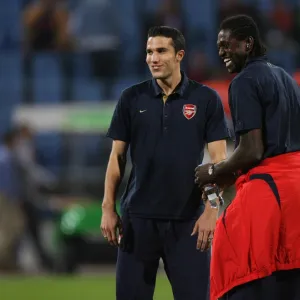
(145, 241)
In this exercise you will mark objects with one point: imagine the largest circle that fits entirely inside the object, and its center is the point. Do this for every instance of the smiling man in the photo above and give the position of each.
(166, 121)
(256, 248)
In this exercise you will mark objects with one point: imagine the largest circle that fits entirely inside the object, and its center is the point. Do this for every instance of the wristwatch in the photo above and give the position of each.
(212, 194)
(213, 200)
(211, 170)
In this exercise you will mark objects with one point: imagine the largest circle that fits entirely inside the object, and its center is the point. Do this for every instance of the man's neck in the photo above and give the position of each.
(168, 85)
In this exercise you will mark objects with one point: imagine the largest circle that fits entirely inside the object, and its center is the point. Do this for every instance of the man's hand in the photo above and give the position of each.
(111, 226)
(204, 174)
(205, 227)
(208, 174)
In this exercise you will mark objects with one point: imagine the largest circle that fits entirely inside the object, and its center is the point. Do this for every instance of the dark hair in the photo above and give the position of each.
(242, 27)
(169, 32)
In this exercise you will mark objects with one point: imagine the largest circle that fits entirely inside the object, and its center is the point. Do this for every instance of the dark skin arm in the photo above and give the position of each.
(248, 154)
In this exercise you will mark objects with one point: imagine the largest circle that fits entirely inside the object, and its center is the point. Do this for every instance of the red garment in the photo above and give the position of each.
(259, 232)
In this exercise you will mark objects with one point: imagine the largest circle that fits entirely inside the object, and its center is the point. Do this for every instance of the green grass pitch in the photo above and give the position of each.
(70, 288)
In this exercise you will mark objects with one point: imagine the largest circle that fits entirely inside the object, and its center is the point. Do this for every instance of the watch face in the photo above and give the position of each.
(212, 197)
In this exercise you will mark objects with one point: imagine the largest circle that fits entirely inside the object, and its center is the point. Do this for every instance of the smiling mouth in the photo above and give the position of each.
(227, 62)
(156, 67)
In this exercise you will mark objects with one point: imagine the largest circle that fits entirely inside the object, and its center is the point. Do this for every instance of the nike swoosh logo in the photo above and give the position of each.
(142, 111)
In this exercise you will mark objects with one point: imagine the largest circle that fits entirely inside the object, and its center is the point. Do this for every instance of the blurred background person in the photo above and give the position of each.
(94, 24)
(33, 179)
(282, 16)
(45, 30)
(11, 214)
(279, 37)
(36, 174)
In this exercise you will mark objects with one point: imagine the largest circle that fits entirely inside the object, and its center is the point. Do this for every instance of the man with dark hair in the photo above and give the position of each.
(256, 248)
(178, 40)
(166, 122)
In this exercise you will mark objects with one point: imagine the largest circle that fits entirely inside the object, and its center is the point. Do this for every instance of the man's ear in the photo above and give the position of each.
(179, 56)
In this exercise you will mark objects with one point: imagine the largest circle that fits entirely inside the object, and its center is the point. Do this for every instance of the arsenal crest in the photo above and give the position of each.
(189, 110)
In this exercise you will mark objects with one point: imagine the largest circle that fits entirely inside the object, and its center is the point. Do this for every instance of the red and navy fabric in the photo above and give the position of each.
(259, 232)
